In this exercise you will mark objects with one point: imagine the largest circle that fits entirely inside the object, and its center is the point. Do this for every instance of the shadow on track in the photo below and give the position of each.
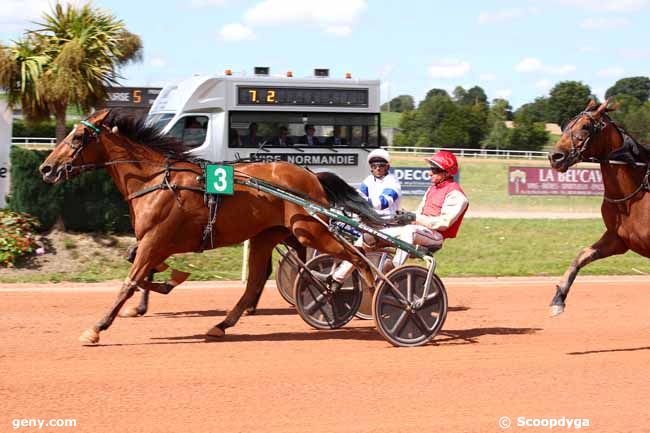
(590, 352)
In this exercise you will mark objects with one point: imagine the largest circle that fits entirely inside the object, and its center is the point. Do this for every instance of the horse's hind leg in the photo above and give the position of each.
(608, 245)
(261, 248)
(146, 259)
(252, 309)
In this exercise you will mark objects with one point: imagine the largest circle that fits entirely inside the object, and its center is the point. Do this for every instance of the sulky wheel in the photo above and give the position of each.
(285, 276)
(404, 318)
(321, 308)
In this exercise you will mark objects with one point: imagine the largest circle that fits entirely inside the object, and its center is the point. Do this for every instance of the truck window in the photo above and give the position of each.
(191, 130)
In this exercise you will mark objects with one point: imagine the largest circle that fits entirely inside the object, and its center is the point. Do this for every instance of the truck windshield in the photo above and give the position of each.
(253, 129)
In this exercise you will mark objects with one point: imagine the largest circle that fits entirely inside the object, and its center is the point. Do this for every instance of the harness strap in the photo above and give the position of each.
(645, 185)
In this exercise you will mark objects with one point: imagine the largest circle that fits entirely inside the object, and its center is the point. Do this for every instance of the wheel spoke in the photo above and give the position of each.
(409, 287)
(430, 298)
(420, 324)
(315, 304)
(390, 300)
(400, 323)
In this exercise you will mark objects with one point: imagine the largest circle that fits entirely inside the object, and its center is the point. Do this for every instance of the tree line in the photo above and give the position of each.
(466, 119)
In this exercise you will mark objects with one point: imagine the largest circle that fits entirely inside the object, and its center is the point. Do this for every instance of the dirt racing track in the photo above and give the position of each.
(499, 355)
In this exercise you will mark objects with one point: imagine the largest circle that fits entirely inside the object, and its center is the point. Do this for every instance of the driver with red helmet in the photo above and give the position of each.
(441, 210)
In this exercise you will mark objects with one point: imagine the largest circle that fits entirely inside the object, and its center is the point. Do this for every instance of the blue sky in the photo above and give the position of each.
(513, 49)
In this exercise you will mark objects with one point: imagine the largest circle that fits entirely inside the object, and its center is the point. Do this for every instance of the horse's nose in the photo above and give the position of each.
(45, 169)
(556, 157)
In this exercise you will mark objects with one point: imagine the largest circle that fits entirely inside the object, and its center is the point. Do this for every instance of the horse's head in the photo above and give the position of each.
(79, 150)
(580, 139)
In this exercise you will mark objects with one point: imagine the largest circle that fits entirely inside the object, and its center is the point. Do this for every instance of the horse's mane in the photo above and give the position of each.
(340, 193)
(139, 131)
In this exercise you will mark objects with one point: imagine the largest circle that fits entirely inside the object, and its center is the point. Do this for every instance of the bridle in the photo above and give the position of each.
(576, 153)
(595, 126)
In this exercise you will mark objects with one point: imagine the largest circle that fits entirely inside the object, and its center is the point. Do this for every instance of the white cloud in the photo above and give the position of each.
(499, 16)
(449, 68)
(488, 76)
(157, 62)
(532, 64)
(503, 93)
(529, 64)
(18, 14)
(203, 3)
(604, 23)
(336, 17)
(607, 5)
(236, 32)
(635, 53)
(339, 30)
(560, 69)
(614, 71)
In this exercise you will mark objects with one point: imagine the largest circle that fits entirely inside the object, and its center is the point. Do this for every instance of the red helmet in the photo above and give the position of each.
(445, 160)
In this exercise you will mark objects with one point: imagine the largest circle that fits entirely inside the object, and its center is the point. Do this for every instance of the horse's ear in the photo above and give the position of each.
(98, 116)
(603, 107)
(591, 105)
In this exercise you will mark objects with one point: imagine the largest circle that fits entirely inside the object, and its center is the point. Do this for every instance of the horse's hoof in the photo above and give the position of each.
(216, 332)
(556, 310)
(129, 312)
(89, 336)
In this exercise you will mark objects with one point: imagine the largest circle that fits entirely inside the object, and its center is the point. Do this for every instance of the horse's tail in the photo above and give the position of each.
(339, 193)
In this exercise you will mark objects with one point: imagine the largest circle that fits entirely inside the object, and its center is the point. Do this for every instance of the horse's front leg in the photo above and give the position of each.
(608, 245)
(146, 259)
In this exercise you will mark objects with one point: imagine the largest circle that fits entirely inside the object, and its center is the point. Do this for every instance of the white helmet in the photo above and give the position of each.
(379, 154)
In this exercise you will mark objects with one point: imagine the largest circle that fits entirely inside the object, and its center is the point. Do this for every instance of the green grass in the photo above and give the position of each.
(390, 119)
(485, 247)
(485, 182)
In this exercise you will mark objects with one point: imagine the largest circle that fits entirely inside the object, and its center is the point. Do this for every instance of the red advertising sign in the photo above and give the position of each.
(546, 181)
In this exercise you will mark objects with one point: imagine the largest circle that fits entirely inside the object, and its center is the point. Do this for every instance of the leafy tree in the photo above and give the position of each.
(567, 99)
(528, 135)
(500, 109)
(460, 94)
(475, 95)
(499, 136)
(436, 92)
(399, 104)
(71, 58)
(536, 111)
(637, 87)
(637, 121)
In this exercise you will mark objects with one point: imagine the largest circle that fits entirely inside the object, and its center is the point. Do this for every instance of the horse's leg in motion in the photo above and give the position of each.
(143, 306)
(608, 245)
(147, 258)
(261, 248)
(252, 309)
(301, 251)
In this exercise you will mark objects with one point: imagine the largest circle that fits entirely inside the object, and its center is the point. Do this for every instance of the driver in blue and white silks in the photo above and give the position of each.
(383, 191)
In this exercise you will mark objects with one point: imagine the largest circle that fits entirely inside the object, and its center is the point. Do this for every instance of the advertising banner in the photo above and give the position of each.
(546, 181)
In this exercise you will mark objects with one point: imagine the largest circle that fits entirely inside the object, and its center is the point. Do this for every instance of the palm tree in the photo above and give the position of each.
(71, 58)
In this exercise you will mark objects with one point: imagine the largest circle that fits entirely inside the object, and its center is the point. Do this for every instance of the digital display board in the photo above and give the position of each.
(131, 97)
(301, 96)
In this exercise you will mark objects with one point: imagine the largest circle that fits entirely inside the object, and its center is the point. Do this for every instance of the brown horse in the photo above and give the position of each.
(169, 215)
(592, 136)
